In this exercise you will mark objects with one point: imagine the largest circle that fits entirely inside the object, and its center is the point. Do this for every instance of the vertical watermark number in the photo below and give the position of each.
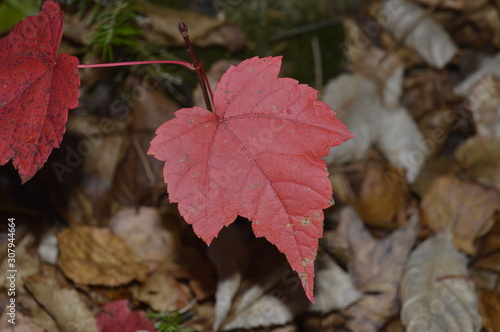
(11, 270)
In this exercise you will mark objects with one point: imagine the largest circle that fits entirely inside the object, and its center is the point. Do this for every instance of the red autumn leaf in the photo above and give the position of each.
(36, 89)
(258, 156)
(117, 317)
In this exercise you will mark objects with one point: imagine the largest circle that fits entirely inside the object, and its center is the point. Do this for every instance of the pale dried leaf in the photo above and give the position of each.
(401, 141)
(47, 249)
(376, 268)
(436, 291)
(142, 231)
(466, 205)
(95, 256)
(355, 100)
(268, 310)
(63, 304)
(408, 21)
(333, 287)
(358, 104)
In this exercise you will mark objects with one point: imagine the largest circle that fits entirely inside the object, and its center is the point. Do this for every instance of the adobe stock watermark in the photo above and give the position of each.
(11, 273)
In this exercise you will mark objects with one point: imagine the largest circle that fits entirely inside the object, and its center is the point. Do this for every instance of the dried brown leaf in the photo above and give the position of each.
(436, 291)
(63, 304)
(486, 265)
(162, 292)
(466, 205)
(377, 268)
(96, 256)
(480, 156)
(490, 302)
(381, 194)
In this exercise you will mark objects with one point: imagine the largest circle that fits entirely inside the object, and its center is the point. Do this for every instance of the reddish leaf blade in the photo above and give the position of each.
(259, 157)
(37, 88)
(117, 317)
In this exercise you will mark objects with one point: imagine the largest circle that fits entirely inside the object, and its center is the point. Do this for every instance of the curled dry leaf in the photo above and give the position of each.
(95, 256)
(63, 304)
(359, 106)
(376, 269)
(409, 22)
(436, 291)
(142, 231)
(466, 206)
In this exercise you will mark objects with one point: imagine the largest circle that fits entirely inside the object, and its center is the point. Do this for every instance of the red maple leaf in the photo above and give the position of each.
(258, 156)
(36, 89)
(117, 317)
